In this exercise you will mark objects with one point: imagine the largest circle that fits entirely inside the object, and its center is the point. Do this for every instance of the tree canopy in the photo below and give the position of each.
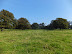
(6, 19)
(35, 26)
(41, 25)
(59, 23)
(23, 24)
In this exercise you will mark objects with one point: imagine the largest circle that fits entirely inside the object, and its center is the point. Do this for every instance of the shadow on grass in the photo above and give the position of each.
(1, 50)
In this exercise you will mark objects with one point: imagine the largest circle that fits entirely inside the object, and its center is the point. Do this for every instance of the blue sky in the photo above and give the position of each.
(39, 10)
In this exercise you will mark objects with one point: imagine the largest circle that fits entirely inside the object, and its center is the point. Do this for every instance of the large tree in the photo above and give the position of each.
(6, 19)
(35, 26)
(23, 24)
(59, 23)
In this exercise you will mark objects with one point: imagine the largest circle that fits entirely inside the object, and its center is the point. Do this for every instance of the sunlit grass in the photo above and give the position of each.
(36, 42)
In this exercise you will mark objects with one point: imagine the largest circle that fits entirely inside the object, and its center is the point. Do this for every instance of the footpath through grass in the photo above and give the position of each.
(36, 42)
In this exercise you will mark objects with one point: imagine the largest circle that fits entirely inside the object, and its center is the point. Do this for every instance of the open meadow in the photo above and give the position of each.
(35, 41)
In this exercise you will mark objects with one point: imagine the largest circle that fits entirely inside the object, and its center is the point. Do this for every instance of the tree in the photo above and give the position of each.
(23, 24)
(59, 23)
(35, 26)
(6, 19)
(70, 22)
(41, 25)
(15, 23)
(70, 26)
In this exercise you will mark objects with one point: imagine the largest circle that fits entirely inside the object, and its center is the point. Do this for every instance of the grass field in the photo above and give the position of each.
(36, 42)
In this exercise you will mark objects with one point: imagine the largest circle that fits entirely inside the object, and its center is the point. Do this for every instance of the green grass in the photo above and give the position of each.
(36, 42)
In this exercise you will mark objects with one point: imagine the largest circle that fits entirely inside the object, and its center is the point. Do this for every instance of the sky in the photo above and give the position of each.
(40, 11)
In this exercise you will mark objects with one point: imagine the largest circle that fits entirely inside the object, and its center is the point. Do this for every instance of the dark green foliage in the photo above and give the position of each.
(59, 23)
(6, 19)
(70, 26)
(15, 23)
(50, 27)
(35, 26)
(23, 24)
(41, 26)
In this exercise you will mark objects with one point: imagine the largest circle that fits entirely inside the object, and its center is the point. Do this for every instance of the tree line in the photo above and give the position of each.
(8, 21)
